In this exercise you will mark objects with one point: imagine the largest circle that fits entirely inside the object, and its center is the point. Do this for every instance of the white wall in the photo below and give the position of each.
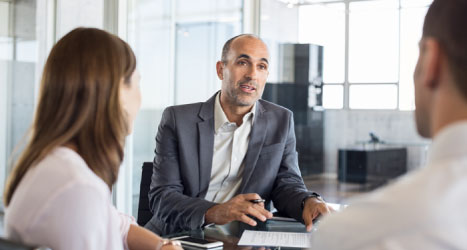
(344, 128)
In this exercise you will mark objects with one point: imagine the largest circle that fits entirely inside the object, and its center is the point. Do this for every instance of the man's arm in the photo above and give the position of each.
(167, 202)
(289, 190)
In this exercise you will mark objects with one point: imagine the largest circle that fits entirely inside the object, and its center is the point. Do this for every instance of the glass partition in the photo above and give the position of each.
(18, 57)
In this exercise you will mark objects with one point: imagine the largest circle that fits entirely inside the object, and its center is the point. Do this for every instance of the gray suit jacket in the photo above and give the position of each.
(182, 165)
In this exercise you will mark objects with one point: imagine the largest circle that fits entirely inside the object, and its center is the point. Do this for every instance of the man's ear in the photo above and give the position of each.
(431, 62)
(220, 70)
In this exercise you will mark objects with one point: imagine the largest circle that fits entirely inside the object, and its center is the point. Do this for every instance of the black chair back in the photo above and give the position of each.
(144, 213)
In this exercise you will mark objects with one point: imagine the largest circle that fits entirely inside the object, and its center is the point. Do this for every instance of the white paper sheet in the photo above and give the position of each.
(280, 239)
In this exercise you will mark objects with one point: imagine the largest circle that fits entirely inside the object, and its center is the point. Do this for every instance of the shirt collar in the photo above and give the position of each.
(220, 118)
(450, 142)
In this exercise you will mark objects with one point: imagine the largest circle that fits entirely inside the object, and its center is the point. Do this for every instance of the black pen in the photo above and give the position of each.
(258, 201)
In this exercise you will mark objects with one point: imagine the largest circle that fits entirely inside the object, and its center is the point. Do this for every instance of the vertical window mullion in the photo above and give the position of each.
(399, 58)
(346, 70)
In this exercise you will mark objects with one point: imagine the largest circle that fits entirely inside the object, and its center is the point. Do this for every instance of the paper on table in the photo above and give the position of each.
(279, 239)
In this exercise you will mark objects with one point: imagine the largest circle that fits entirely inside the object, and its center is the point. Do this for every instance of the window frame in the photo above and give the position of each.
(347, 84)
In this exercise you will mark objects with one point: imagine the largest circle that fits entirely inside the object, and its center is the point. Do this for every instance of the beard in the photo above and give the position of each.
(239, 98)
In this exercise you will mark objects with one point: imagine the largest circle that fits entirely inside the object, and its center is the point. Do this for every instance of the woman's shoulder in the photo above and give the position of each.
(61, 179)
(61, 169)
(63, 166)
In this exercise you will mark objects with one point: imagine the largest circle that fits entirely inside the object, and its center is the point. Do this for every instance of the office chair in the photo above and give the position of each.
(6, 244)
(144, 213)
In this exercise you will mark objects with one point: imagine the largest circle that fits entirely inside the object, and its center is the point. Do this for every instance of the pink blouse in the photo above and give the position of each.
(60, 203)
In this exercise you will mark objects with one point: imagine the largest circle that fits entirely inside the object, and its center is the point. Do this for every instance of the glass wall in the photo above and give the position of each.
(202, 27)
(18, 57)
(6, 55)
(177, 44)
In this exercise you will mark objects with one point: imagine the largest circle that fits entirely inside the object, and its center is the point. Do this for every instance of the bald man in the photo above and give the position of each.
(228, 158)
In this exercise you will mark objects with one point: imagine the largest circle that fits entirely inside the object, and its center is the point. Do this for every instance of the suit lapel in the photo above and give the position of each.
(257, 136)
(206, 144)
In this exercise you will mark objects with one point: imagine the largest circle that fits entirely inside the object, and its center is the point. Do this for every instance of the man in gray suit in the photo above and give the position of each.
(226, 159)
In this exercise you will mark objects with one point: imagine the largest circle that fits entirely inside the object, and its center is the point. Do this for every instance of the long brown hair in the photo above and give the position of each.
(79, 104)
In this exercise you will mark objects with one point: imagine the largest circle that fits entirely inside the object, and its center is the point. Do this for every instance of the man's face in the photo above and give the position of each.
(422, 97)
(245, 72)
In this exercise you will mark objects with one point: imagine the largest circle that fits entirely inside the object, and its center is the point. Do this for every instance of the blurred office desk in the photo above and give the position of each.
(230, 233)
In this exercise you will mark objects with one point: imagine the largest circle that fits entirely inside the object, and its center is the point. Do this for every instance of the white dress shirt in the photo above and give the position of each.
(230, 147)
(425, 209)
(60, 203)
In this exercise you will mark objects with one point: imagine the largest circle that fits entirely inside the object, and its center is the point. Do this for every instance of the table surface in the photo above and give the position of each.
(230, 233)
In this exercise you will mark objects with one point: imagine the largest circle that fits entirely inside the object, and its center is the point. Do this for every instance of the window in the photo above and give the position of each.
(333, 96)
(331, 36)
(381, 37)
(412, 15)
(373, 42)
(373, 96)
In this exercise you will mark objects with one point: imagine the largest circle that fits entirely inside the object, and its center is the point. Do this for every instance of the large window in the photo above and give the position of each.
(325, 25)
(370, 50)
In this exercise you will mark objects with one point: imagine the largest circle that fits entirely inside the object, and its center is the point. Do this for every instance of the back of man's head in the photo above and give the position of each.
(446, 21)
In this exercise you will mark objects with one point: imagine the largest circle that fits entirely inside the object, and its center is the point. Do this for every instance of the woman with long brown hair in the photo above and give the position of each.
(59, 191)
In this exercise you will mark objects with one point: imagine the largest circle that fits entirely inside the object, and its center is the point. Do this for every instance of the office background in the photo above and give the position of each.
(370, 49)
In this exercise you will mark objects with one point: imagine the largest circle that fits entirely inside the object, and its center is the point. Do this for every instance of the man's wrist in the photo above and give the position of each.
(312, 195)
(209, 215)
(206, 223)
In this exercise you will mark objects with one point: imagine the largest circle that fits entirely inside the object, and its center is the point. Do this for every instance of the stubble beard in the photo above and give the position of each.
(237, 100)
(236, 95)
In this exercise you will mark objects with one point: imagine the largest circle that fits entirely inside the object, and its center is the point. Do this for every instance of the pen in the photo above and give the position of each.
(258, 200)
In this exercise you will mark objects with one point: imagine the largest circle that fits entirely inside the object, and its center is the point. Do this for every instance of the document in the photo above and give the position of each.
(279, 239)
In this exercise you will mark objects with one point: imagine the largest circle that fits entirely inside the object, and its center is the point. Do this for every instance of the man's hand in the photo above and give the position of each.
(313, 208)
(238, 208)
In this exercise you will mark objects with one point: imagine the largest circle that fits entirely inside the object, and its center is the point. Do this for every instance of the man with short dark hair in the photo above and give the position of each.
(425, 209)
(226, 159)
